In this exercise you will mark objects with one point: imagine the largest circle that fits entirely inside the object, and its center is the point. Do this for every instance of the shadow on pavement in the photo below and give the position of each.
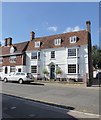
(28, 83)
(34, 83)
(17, 108)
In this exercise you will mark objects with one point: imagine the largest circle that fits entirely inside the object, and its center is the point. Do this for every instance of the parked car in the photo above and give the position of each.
(19, 77)
(2, 76)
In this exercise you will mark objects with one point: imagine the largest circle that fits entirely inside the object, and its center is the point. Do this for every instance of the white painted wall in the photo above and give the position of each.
(23, 69)
(83, 60)
(61, 60)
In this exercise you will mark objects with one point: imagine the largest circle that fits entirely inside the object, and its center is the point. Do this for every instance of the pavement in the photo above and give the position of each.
(72, 85)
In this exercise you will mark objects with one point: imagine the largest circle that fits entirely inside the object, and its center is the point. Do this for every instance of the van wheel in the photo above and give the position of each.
(5, 80)
(20, 81)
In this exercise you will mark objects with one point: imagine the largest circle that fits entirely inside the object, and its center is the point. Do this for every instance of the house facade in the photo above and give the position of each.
(69, 52)
(12, 57)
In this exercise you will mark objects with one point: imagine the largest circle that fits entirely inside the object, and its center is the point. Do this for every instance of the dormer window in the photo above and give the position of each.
(37, 44)
(73, 39)
(12, 50)
(57, 41)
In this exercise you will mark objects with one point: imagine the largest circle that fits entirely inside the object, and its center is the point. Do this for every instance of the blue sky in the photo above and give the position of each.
(20, 18)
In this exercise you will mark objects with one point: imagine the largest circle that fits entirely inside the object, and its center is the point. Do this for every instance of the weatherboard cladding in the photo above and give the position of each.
(48, 41)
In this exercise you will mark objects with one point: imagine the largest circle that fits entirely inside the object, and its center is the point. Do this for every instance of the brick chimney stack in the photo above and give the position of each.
(88, 23)
(8, 41)
(90, 65)
(32, 35)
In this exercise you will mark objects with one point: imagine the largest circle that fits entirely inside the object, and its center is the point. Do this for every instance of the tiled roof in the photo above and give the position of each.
(19, 48)
(48, 41)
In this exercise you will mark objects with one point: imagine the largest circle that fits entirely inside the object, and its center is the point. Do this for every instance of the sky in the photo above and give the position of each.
(48, 18)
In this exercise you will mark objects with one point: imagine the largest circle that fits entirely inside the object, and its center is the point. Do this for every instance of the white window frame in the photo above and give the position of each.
(12, 59)
(37, 44)
(12, 69)
(72, 69)
(73, 39)
(57, 41)
(53, 56)
(71, 50)
(12, 50)
(34, 55)
(34, 70)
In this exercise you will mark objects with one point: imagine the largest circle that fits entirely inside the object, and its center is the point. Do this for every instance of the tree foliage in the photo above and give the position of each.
(58, 71)
(96, 56)
(45, 71)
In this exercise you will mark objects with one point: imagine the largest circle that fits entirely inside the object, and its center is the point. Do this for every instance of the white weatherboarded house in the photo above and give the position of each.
(70, 52)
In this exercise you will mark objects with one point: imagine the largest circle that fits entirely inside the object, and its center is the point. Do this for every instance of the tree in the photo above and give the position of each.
(96, 56)
(58, 71)
(45, 72)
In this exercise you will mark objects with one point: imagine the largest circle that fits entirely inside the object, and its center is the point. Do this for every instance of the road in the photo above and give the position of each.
(77, 99)
(22, 108)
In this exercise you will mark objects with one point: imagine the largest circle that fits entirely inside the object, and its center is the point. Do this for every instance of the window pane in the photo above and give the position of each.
(71, 52)
(52, 54)
(22, 73)
(12, 69)
(12, 59)
(37, 44)
(33, 69)
(72, 68)
(57, 41)
(38, 55)
(17, 73)
(34, 55)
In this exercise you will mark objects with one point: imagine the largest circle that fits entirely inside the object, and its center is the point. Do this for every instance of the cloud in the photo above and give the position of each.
(72, 29)
(2, 42)
(52, 28)
(36, 29)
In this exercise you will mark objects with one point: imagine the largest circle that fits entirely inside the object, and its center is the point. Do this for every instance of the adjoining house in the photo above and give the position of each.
(12, 57)
(70, 52)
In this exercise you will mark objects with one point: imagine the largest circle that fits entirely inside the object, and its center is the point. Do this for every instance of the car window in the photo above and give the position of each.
(17, 74)
(22, 73)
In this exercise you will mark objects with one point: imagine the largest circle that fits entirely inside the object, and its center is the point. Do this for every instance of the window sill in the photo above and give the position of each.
(12, 62)
(36, 60)
(73, 57)
(53, 59)
(73, 74)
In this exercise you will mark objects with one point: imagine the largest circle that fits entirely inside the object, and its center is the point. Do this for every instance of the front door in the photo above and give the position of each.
(52, 72)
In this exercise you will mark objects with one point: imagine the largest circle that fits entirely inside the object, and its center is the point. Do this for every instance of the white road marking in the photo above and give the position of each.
(90, 114)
